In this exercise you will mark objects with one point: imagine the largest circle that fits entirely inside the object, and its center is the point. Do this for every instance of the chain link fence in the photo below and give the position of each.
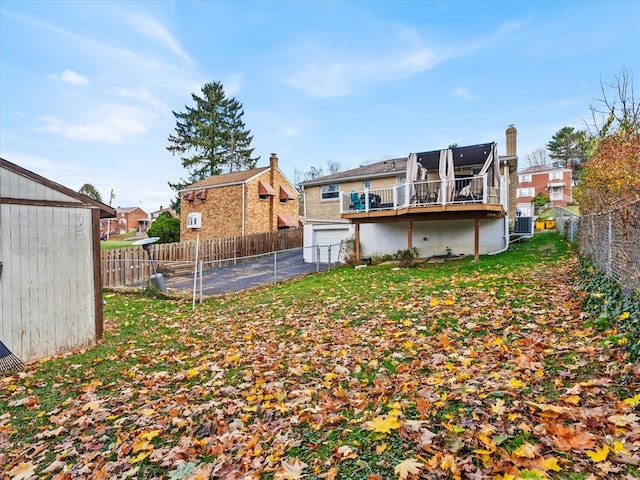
(612, 240)
(235, 274)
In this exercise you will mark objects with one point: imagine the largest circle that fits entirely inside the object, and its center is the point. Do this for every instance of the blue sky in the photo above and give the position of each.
(87, 89)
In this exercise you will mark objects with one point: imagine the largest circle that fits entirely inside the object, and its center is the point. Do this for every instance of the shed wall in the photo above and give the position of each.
(47, 295)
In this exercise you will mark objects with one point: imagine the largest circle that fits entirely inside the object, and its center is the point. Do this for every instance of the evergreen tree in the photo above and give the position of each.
(211, 137)
(570, 146)
(90, 191)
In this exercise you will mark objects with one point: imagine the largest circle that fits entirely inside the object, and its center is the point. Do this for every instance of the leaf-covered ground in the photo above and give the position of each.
(482, 370)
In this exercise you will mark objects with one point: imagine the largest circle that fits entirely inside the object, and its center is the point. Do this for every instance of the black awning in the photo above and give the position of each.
(462, 156)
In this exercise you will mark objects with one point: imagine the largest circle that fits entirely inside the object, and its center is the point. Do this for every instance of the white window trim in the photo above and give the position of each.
(332, 198)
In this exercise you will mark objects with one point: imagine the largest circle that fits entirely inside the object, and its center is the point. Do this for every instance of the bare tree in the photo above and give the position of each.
(617, 109)
(539, 156)
(333, 166)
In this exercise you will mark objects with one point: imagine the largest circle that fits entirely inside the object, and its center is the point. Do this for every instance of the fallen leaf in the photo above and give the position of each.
(383, 424)
(22, 471)
(526, 450)
(623, 420)
(290, 471)
(404, 468)
(599, 455)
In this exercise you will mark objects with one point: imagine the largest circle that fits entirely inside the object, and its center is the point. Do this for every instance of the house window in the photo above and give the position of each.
(555, 193)
(330, 192)
(367, 184)
(524, 178)
(526, 192)
(556, 175)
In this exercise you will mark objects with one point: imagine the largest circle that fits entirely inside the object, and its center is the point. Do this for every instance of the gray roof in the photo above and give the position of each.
(385, 168)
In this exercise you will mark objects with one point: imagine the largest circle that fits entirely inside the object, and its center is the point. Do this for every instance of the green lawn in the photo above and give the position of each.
(443, 371)
(111, 244)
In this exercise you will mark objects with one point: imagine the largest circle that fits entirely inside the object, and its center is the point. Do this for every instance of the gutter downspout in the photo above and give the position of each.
(304, 203)
(505, 191)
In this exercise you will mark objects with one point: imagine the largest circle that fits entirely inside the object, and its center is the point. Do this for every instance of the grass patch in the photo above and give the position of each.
(464, 366)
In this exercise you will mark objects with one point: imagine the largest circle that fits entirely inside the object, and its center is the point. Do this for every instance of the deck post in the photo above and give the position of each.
(357, 241)
(476, 240)
(410, 235)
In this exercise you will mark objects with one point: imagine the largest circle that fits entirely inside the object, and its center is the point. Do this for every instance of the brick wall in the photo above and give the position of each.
(222, 210)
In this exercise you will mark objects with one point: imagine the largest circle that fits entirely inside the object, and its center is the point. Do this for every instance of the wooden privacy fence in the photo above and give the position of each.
(130, 265)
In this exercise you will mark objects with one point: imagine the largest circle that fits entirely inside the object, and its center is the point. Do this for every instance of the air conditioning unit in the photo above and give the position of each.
(194, 220)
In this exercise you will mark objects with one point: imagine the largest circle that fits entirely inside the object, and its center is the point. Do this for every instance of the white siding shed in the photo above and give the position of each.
(50, 283)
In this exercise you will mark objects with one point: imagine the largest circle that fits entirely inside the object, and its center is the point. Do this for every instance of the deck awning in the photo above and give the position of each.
(286, 220)
(265, 189)
(286, 194)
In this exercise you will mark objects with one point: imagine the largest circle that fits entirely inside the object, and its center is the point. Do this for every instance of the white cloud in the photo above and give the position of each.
(153, 29)
(334, 72)
(109, 124)
(233, 84)
(141, 95)
(70, 77)
(463, 92)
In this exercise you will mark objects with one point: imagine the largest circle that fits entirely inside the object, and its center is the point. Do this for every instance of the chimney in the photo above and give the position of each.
(273, 164)
(273, 161)
(511, 134)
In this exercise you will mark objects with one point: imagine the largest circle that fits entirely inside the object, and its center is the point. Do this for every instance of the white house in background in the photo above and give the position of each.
(459, 199)
(50, 282)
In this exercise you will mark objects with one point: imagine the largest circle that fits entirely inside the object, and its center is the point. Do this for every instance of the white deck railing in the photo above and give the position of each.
(423, 193)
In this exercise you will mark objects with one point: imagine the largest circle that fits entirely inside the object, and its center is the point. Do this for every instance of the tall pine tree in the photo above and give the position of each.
(211, 137)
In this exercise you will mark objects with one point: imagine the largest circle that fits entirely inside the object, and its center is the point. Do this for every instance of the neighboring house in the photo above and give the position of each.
(156, 213)
(50, 287)
(554, 182)
(459, 199)
(128, 219)
(240, 203)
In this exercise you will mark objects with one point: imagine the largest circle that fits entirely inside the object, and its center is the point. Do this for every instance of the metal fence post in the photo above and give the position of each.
(201, 268)
(275, 267)
(609, 245)
(329, 259)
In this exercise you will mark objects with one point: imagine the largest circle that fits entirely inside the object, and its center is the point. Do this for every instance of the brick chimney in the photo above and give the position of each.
(511, 135)
(273, 164)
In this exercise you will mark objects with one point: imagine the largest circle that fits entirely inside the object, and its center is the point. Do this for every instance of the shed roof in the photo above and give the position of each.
(105, 210)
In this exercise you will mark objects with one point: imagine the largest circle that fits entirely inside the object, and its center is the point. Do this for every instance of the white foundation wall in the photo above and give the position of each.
(433, 237)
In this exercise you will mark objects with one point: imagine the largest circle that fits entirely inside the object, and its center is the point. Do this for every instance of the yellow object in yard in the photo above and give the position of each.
(540, 225)
(549, 224)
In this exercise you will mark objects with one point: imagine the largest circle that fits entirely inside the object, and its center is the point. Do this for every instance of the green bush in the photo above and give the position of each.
(407, 258)
(166, 227)
(609, 307)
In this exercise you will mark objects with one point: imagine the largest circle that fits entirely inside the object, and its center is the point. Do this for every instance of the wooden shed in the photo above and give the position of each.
(50, 283)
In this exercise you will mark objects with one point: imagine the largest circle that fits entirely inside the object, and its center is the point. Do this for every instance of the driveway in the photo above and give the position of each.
(248, 273)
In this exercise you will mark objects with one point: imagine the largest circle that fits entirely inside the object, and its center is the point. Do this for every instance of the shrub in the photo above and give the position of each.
(610, 307)
(407, 258)
(166, 227)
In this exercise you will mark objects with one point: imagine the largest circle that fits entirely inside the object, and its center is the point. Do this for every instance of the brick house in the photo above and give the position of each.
(128, 219)
(555, 182)
(240, 203)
